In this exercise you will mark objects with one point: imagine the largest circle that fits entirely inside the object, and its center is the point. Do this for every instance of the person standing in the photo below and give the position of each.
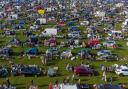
(104, 76)
(43, 59)
(111, 79)
(8, 83)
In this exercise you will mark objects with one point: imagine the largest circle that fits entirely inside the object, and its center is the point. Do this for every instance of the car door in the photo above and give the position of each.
(81, 71)
(125, 71)
(85, 71)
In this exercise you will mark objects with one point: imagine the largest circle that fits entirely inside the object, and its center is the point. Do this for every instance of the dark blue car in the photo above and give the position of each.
(84, 51)
(26, 70)
(30, 70)
(74, 29)
(6, 51)
(3, 72)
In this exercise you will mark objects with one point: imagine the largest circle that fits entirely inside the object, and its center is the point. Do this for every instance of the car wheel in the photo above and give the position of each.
(36, 75)
(89, 75)
(77, 74)
(121, 74)
(23, 75)
(92, 74)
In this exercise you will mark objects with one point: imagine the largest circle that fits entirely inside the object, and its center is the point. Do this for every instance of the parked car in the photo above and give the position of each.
(25, 70)
(51, 72)
(81, 70)
(84, 86)
(50, 42)
(74, 35)
(107, 86)
(6, 51)
(5, 87)
(74, 29)
(15, 70)
(53, 51)
(66, 54)
(85, 52)
(104, 52)
(3, 72)
(84, 23)
(12, 32)
(122, 70)
(110, 44)
(34, 27)
(30, 70)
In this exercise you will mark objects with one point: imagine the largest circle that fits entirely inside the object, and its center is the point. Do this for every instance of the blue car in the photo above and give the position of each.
(30, 70)
(84, 51)
(104, 52)
(74, 29)
(53, 51)
(22, 22)
(15, 70)
(26, 70)
(7, 51)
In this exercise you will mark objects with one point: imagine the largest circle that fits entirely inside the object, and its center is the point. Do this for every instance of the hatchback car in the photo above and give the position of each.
(51, 72)
(3, 72)
(104, 52)
(30, 70)
(81, 70)
(74, 35)
(122, 71)
(53, 51)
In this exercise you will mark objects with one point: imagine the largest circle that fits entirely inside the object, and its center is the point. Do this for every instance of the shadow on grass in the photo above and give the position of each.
(43, 86)
(113, 79)
(50, 64)
(84, 80)
(18, 84)
(21, 87)
(96, 73)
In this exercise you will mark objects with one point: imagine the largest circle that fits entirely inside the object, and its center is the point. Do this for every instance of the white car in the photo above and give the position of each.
(84, 23)
(109, 43)
(122, 70)
(74, 35)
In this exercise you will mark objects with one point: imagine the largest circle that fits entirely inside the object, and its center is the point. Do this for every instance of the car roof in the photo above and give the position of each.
(108, 86)
(123, 67)
(104, 51)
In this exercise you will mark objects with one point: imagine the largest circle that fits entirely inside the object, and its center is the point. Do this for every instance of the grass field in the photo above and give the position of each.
(22, 82)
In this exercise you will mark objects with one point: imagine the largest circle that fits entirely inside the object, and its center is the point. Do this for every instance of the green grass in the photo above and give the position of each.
(43, 81)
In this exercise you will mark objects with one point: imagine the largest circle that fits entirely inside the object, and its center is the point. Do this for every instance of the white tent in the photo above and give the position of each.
(49, 32)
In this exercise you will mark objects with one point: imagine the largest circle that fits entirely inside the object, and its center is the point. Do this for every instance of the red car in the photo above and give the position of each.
(81, 70)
